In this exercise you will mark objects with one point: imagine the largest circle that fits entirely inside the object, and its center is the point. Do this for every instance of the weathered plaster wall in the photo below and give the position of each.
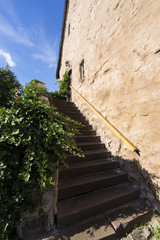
(120, 44)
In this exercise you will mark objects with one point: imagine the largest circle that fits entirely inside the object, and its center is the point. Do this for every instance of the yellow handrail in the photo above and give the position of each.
(120, 135)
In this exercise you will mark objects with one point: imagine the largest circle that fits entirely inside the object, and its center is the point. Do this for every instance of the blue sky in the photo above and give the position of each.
(30, 33)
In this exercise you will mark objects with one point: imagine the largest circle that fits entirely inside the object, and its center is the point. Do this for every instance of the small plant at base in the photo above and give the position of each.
(155, 233)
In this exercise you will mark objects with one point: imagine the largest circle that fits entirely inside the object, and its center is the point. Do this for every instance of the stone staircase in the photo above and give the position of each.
(95, 198)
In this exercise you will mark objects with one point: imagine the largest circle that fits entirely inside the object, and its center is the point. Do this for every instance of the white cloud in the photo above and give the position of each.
(11, 27)
(52, 65)
(8, 58)
(18, 33)
(8, 8)
(47, 57)
(46, 51)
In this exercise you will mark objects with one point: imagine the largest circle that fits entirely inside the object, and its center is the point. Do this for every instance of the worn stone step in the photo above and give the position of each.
(74, 186)
(88, 132)
(82, 121)
(68, 109)
(74, 114)
(87, 167)
(85, 127)
(60, 102)
(76, 209)
(87, 138)
(124, 218)
(95, 228)
(89, 155)
(72, 111)
(63, 108)
(78, 118)
(91, 146)
(109, 225)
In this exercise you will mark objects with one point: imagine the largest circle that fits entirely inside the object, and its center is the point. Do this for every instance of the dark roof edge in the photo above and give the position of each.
(62, 37)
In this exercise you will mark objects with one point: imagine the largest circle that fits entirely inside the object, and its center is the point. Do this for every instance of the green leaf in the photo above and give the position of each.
(15, 132)
(2, 110)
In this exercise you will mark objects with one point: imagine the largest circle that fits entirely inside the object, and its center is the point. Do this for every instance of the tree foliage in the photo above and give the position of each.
(29, 133)
(8, 82)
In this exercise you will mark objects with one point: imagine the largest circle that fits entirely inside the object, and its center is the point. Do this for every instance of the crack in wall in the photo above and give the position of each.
(158, 51)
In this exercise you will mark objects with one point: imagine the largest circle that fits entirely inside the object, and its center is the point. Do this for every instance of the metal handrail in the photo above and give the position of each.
(118, 133)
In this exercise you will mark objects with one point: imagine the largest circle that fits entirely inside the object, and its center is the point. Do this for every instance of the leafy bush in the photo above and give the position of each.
(63, 87)
(29, 133)
(8, 82)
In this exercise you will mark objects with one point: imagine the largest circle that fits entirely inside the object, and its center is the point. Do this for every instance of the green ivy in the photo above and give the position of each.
(63, 87)
(29, 133)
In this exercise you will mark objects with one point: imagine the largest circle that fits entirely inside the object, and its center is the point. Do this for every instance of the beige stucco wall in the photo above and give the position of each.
(119, 42)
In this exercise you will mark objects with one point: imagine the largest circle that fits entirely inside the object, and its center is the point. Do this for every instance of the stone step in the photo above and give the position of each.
(87, 138)
(82, 121)
(64, 109)
(95, 228)
(72, 111)
(85, 127)
(65, 106)
(89, 155)
(74, 114)
(59, 102)
(87, 167)
(69, 187)
(77, 118)
(88, 132)
(122, 220)
(87, 205)
(91, 146)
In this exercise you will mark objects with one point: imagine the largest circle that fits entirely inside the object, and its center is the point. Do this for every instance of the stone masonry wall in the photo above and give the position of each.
(119, 42)
(34, 224)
